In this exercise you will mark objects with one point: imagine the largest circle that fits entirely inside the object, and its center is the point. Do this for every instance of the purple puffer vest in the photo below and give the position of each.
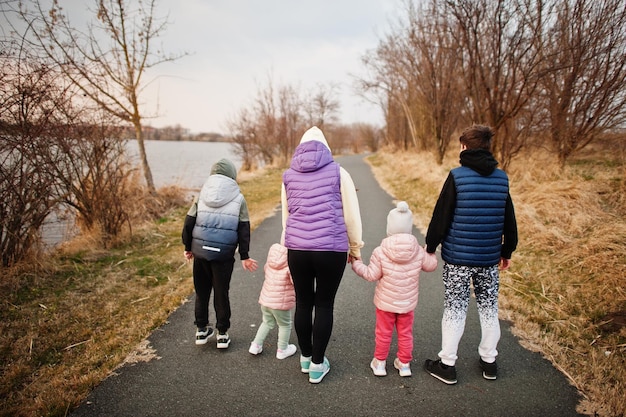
(313, 186)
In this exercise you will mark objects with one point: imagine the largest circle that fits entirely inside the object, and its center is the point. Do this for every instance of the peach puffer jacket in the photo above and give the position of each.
(396, 265)
(277, 291)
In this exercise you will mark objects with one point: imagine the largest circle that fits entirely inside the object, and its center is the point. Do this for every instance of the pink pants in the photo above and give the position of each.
(385, 322)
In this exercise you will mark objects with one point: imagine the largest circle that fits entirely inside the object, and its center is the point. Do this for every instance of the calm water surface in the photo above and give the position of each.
(185, 164)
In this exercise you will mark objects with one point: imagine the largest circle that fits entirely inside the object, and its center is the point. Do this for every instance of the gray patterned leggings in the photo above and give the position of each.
(457, 280)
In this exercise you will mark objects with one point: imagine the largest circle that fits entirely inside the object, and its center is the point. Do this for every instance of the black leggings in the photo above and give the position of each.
(316, 278)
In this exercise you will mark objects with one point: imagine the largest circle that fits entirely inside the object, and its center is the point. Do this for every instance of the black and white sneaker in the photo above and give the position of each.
(490, 370)
(441, 371)
(203, 334)
(223, 341)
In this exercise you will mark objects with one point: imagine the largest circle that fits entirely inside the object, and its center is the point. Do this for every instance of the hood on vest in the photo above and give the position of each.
(401, 248)
(311, 156)
(480, 160)
(219, 190)
(224, 167)
(277, 256)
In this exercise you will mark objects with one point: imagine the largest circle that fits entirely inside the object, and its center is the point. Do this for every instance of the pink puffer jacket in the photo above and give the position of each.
(396, 265)
(277, 291)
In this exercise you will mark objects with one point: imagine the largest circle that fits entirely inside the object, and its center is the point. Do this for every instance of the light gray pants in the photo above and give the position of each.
(272, 317)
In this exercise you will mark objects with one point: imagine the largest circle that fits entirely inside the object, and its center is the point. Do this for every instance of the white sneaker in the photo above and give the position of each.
(285, 353)
(378, 367)
(223, 341)
(203, 334)
(255, 349)
(404, 369)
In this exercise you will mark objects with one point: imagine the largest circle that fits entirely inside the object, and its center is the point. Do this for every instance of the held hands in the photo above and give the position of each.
(352, 258)
(249, 264)
(188, 255)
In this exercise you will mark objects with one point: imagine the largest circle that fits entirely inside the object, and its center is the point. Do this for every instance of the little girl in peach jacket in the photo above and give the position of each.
(396, 266)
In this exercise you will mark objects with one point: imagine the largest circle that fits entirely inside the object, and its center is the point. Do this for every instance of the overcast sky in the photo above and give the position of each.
(236, 46)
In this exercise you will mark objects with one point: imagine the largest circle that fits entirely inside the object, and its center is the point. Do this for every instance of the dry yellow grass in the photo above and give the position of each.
(565, 292)
(66, 324)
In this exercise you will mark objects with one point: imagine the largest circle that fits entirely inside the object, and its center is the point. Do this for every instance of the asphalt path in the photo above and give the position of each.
(190, 380)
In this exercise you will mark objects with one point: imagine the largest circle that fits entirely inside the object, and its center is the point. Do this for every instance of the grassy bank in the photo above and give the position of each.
(566, 290)
(68, 322)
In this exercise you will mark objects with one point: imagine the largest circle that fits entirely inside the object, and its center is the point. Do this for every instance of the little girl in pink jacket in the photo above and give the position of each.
(277, 299)
(396, 266)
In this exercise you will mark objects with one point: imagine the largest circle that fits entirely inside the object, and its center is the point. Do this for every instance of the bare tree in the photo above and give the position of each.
(267, 132)
(389, 75)
(585, 72)
(416, 67)
(322, 106)
(28, 193)
(438, 75)
(97, 175)
(499, 63)
(109, 60)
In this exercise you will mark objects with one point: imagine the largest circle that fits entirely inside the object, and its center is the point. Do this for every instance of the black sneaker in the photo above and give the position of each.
(203, 334)
(442, 372)
(490, 370)
(223, 340)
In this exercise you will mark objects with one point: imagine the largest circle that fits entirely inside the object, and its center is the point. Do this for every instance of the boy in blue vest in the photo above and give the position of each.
(474, 221)
(216, 225)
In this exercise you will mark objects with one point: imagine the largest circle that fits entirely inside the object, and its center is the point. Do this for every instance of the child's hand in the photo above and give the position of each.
(188, 255)
(505, 264)
(249, 264)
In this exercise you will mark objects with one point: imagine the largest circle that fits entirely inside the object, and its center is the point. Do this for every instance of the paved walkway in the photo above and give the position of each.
(190, 380)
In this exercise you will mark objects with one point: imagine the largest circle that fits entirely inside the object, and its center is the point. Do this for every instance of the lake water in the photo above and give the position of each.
(186, 164)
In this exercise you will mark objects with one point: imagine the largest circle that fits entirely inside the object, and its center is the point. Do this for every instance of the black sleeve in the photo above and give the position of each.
(442, 215)
(190, 222)
(509, 240)
(243, 232)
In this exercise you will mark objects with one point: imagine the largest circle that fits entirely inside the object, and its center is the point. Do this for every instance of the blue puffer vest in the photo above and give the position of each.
(475, 235)
(313, 186)
(215, 234)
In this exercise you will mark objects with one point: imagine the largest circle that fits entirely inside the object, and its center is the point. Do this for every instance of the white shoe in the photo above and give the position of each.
(404, 369)
(203, 334)
(255, 349)
(285, 353)
(378, 367)
(223, 341)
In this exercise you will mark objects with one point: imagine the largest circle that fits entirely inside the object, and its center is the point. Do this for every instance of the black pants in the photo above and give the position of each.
(316, 278)
(207, 276)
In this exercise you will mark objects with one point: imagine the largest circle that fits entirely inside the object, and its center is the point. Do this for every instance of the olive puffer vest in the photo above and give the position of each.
(475, 235)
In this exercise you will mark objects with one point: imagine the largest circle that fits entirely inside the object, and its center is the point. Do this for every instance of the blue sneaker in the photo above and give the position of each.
(305, 363)
(317, 371)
